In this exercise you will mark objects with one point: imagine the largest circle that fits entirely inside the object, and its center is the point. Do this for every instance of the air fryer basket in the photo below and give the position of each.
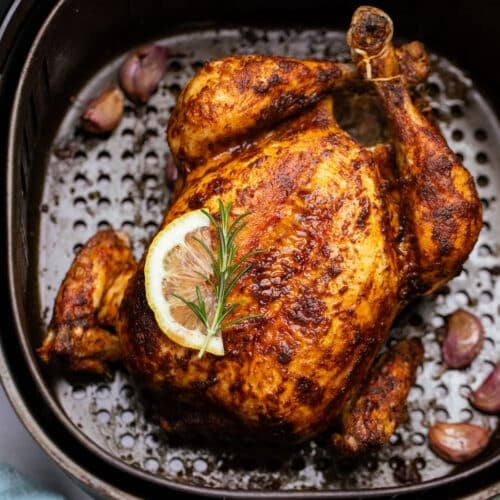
(64, 186)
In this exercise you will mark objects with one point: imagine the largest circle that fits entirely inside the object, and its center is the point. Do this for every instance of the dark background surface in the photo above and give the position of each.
(18, 448)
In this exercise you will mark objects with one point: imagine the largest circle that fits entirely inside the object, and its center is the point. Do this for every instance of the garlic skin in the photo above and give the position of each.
(463, 339)
(142, 71)
(171, 171)
(487, 397)
(104, 112)
(458, 442)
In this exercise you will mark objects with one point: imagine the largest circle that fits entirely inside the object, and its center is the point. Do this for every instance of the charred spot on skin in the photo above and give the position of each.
(364, 212)
(264, 87)
(201, 386)
(285, 65)
(308, 311)
(394, 92)
(217, 186)
(284, 354)
(196, 201)
(142, 321)
(308, 392)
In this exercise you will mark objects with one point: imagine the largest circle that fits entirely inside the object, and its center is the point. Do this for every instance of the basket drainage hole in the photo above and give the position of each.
(127, 441)
(104, 202)
(81, 180)
(176, 465)
(484, 251)
(103, 417)
(126, 391)
(128, 416)
(150, 181)
(151, 440)
(433, 89)
(466, 415)
(127, 203)
(151, 202)
(104, 179)
(486, 297)
(79, 392)
(151, 111)
(77, 248)
(482, 181)
(441, 391)
(152, 159)
(462, 298)
(127, 180)
(457, 135)
(103, 391)
(152, 465)
(395, 439)
(104, 156)
(127, 132)
(465, 391)
(79, 202)
(103, 224)
(480, 135)
(129, 111)
(127, 155)
(417, 415)
(80, 225)
(441, 414)
(151, 226)
(482, 158)
(200, 465)
(80, 156)
(457, 111)
(417, 439)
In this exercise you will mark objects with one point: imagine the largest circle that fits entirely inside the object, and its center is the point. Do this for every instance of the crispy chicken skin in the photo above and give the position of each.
(350, 235)
(379, 407)
(87, 304)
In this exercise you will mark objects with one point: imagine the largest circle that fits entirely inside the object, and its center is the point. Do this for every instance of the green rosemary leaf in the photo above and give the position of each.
(194, 308)
(235, 321)
(207, 249)
(226, 272)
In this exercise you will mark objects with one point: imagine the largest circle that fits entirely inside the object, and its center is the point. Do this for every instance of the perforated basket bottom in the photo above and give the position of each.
(92, 183)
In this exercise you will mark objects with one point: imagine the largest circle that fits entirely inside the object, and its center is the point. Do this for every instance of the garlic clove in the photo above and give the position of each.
(487, 397)
(463, 339)
(104, 112)
(458, 442)
(142, 71)
(171, 171)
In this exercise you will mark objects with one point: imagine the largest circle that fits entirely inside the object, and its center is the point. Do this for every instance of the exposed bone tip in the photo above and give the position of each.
(371, 30)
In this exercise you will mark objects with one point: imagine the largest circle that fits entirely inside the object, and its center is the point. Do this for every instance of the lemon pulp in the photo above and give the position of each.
(174, 262)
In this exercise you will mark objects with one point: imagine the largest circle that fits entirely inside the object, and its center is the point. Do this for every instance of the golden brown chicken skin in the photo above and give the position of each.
(350, 235)
(375, 412)
(80, 333)
(341, 258)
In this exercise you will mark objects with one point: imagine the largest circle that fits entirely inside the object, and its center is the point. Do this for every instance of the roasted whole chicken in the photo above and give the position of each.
(351, 235)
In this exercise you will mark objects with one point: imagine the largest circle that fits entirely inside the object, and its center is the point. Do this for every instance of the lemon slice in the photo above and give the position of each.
(173, 265)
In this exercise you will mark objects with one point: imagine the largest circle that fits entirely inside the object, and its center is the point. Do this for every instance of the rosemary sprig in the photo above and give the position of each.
(226, 272)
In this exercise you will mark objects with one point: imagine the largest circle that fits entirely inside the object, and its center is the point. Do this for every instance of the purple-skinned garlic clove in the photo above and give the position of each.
(458, 442)
(171, 171)
(463, 339)
(487, 397)
(142, 71)
(104, 112)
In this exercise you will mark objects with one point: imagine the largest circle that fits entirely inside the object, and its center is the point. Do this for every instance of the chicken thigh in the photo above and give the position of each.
(349, 235)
